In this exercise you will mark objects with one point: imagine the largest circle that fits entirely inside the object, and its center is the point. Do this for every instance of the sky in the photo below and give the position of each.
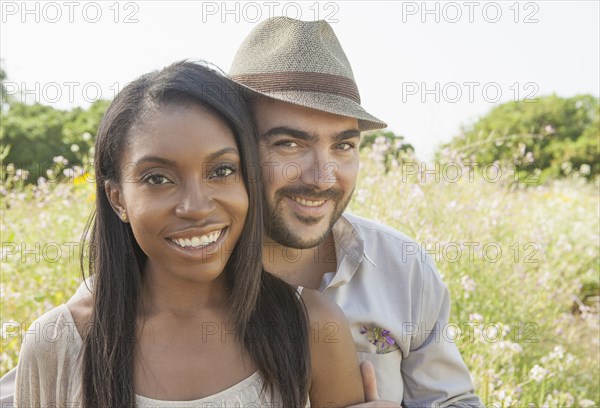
(426, 68)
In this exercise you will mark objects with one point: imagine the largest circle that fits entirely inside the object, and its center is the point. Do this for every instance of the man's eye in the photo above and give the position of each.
(286, 144)
(156, 179)
(345, 146)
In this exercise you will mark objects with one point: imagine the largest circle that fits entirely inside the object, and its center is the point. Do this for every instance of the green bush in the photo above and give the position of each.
(553, 134)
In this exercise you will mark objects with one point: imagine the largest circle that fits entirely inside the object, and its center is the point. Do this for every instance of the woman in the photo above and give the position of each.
(182, 313)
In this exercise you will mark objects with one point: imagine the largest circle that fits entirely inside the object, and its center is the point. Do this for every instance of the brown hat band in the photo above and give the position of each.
(300, 81)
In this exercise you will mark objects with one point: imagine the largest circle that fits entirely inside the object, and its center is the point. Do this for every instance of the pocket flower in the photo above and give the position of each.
(380, 338)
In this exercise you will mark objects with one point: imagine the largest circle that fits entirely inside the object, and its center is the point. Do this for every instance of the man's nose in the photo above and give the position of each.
(320, 171)
(195, 201)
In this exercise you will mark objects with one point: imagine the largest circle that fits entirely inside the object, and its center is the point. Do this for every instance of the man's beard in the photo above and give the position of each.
(279, 231)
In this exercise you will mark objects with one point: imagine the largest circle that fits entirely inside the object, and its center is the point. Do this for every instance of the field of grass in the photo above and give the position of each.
(521, 263)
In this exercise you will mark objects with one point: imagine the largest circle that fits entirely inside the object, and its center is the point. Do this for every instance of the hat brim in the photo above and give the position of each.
(325, 102)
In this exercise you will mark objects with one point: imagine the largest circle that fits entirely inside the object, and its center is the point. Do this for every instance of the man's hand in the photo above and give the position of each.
(370, 383)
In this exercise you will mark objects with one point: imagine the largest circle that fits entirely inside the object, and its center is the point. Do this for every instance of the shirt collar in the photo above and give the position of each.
(349, 250)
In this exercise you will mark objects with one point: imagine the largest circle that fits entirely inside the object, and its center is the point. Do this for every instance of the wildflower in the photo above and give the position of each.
(566, 167)
(74, 148)
(86, 136)
(380, 338)
(508, 345)
(557, 353)
(60, 160)
(475, 317)
(21, 174)
(586, 403)
(70, 173)
(584, 169)
(529, 157)
(468, 285)
(538, 373)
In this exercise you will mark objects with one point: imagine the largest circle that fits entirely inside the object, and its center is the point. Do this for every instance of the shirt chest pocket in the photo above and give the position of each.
(388, 373)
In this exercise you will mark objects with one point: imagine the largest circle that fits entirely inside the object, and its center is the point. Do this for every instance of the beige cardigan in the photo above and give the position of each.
(49, 372)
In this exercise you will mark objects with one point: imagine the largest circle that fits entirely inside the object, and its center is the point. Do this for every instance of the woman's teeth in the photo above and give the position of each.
(195, 242)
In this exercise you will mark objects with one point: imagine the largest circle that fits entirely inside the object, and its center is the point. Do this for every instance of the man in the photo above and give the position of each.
(309, 119)
(308, 115)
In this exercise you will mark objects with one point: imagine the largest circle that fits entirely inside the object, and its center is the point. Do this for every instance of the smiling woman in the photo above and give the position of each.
(185, 201)
(181, 312)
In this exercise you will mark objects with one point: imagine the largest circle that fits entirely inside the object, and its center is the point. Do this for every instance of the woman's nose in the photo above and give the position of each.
(196, 202)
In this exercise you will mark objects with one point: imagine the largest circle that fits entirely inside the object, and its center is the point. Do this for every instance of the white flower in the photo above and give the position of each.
(22, 174)
(508, 345)
(586, 403)
(558, 353)
(516, 347)
(475, 317)
(570, 358)
(584, 169)
(74, 148)
(60, 159)
(467, 283)
(566, 167)
(86, 136)
(538, 373)
(529, 157)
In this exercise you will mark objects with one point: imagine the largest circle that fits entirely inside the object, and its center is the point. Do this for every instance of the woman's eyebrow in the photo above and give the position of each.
(221, 152)
(155, 159)
(172, 163)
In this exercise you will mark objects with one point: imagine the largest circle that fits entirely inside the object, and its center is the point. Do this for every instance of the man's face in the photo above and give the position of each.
(310, 164)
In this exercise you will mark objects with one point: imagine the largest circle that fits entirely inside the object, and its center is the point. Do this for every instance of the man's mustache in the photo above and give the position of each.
(309, 193)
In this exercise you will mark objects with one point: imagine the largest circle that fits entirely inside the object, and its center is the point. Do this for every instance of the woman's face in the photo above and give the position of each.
(183, 192)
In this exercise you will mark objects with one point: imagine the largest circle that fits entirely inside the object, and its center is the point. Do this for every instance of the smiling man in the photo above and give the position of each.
(309, 118)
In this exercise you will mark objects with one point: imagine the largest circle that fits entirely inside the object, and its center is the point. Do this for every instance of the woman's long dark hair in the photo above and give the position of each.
(269, 318)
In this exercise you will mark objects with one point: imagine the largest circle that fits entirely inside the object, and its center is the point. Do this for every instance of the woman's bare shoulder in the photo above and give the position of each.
(335, 374)
(320, 308)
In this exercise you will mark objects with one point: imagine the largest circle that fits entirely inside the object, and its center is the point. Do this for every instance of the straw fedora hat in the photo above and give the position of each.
(301, 62)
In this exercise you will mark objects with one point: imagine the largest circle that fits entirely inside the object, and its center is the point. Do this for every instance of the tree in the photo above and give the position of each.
(553, 134)
(390, 148)
(38, 133)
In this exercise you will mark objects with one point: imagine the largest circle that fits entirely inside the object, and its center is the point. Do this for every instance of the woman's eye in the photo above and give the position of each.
(156, 179)
(223, 171)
